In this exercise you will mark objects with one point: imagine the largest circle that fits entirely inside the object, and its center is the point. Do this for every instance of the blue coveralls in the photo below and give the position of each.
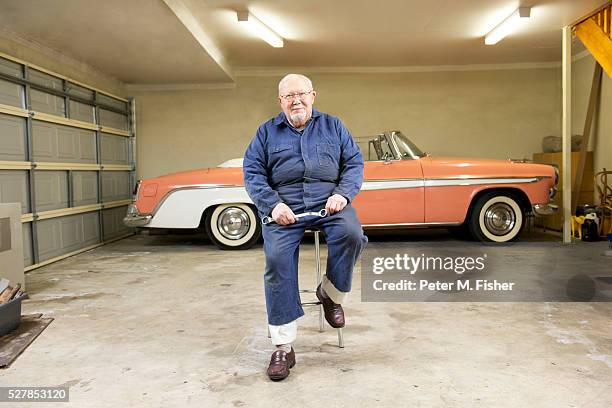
(303, 169)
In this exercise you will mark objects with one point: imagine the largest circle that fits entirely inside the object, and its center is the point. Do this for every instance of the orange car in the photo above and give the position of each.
(403, 188)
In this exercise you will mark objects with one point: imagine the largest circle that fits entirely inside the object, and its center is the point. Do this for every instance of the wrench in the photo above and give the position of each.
(321, 213)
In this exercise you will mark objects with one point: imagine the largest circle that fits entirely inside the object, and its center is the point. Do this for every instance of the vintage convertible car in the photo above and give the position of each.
(403, 187)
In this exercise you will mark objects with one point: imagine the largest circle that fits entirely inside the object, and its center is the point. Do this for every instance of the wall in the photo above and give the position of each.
(601, 132)
(495, 113)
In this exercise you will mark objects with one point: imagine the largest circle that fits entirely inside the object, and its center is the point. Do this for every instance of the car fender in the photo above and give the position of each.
(183, 207)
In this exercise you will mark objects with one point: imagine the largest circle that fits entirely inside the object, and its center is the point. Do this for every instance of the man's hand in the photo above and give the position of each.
(282, 214)
(335, 203)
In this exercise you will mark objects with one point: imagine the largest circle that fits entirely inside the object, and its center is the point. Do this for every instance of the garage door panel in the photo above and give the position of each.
(113, 119)
(115, 186)
(87, 146)
(11, 94)
(48, 234)
(47, 103)
(82, 111)
(91, 228)
(66, 144)
(115, 103)
(42, 78)
(71, 232)
(84, 187)
(79, 91)
(43, 141)
(51, 190)
(57, 236)
(12, 138)
(14, 188)
(28, 259)
(11, 68)
(113, 223)
(114, 149)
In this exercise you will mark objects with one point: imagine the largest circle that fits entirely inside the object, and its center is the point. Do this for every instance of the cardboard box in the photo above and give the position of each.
(556, 158)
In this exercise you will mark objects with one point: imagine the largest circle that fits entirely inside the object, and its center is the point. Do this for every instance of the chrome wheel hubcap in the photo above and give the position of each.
(233, 223)
(500, 219)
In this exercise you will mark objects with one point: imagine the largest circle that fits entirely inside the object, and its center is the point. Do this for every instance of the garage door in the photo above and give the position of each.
(67, 155)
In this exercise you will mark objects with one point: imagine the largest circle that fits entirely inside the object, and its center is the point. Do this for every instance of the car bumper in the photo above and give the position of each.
(545, 209)
(134, 219)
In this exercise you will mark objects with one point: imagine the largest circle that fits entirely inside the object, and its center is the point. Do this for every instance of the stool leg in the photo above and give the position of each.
(340, 338)
(319, 279)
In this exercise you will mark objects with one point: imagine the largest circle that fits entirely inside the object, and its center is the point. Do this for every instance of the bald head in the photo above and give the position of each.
(290, 79)
(296, 96)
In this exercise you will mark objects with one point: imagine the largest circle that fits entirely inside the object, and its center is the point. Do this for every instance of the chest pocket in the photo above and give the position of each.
(280, 151)
(327, 154)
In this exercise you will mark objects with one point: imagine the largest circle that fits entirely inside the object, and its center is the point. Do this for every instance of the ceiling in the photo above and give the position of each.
(199, 41)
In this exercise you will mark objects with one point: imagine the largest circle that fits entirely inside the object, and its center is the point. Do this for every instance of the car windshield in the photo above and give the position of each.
(407, 149)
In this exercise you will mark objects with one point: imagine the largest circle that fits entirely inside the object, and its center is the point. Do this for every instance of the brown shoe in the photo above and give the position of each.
(280, 363)
(333, 311)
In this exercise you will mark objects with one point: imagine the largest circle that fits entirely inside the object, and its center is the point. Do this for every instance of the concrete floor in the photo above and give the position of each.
(154, 321)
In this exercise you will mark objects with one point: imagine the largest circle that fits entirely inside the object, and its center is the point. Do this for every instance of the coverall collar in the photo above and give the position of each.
(281, 118)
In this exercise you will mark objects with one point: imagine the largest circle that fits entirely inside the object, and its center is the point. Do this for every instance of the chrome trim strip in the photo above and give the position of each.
(477, 181)
(488, 178)
(413, 224)
(204, 187)
(370, 185)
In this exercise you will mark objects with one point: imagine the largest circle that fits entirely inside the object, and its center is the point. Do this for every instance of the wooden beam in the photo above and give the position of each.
(117, 167)
(567, 132)
(597, 42)
(66, 166)
(67, 211)
(113, 131)
(13, 110)
(15, 165)
(63, 121)
(586, 133)
(118, 203)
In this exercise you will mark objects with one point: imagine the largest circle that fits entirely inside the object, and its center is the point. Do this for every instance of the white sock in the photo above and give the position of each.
(285, 347)
(324, 294)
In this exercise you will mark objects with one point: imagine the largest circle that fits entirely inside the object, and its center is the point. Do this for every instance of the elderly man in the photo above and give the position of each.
(301, 161)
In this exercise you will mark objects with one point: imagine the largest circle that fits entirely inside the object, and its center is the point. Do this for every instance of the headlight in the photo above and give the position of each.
(135, 191)
(556, 173)
(552, 192)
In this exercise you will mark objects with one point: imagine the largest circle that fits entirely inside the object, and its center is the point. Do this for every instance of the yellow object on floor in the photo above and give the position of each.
(577, 222)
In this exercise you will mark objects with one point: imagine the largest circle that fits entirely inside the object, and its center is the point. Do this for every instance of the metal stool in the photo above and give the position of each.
(316, 233)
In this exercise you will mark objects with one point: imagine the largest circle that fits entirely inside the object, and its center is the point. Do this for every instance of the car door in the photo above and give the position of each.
(392, 193)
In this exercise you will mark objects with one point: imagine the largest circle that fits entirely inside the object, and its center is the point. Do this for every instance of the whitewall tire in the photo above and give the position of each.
(233, 226)
(496, 217)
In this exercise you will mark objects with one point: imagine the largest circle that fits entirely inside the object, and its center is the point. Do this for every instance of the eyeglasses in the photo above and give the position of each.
(291, 96)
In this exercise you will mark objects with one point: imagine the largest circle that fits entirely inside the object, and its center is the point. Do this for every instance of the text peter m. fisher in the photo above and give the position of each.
(424, 284)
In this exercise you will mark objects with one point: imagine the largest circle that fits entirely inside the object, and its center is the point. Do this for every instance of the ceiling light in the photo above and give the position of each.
(509, 25)
(260, 29)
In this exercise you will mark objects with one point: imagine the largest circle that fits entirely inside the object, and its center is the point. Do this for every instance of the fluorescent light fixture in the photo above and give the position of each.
(260, 29)
(509, 25)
